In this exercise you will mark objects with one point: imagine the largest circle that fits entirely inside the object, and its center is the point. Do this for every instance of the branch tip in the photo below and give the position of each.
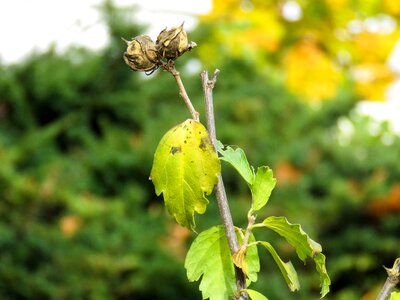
(391, 281)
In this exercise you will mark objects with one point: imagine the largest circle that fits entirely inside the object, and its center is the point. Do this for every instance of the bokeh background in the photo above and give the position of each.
(79, 218)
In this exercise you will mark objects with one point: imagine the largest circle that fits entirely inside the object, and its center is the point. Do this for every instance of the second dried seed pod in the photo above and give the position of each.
(173, 43)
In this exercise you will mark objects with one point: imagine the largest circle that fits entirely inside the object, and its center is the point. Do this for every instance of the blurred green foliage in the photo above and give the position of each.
(79, 218)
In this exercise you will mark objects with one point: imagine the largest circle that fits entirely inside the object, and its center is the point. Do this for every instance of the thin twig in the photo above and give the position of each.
(208, 85)
(170, 67)
(392, 280)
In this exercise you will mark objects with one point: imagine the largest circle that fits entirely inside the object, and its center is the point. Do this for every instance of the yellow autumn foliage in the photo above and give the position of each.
(221, 9)
(310, 73)
(372, 46)
(370, 71)
(337, 5)
(332, 40)
(392, 7)
(372, 80)
(244, 33)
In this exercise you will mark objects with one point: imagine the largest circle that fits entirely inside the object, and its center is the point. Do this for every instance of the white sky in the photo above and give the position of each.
(34, 24)
(27, 25)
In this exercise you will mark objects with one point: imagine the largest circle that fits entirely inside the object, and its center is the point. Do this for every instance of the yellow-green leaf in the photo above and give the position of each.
(395, 296)
(185, 170)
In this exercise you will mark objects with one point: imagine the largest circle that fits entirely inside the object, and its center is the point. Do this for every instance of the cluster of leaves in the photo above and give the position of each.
(185, 169)
(209, 242)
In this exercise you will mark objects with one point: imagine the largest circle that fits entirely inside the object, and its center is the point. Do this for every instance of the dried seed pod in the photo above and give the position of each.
(173, 43)
(141, 54)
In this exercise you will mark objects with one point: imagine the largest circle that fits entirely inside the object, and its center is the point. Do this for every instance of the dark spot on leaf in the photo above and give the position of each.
(204, 142)
(175, 150)
(184, 141)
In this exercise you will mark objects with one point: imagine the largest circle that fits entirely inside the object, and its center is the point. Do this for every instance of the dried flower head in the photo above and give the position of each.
(173, 43)
(141, 54)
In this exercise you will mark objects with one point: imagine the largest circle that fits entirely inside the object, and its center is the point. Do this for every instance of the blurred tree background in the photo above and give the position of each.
(78, 130)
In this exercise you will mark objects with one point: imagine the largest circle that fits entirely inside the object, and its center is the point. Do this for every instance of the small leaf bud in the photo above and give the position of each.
(141, 54)
(173, 43)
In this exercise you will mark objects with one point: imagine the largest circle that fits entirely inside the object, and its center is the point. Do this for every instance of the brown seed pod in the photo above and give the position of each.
(173, 43)
(141, 54)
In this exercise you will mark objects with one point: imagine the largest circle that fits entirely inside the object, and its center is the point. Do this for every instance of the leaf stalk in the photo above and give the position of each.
(170, 67)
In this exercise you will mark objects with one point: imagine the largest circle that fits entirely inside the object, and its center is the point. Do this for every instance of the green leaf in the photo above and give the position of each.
(294, 234)
(237, 158)
(324, 279)
(287, 269)
(262, 187)
(304, 245)
(185, 169)
(254, 295)
(261, 184)
(209, 256)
